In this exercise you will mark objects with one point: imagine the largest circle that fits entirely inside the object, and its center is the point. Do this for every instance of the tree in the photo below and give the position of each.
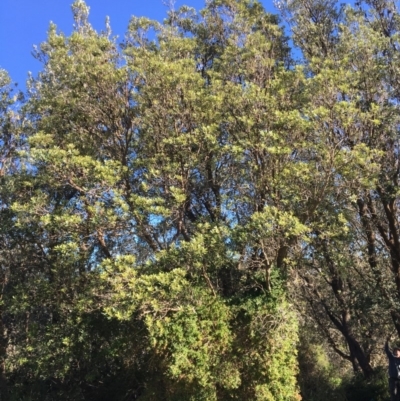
(351, 55)
(170, 195)
(10, 143)
(159, 198)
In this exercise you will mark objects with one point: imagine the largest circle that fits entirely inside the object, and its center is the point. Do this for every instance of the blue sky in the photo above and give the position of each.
(24, 23)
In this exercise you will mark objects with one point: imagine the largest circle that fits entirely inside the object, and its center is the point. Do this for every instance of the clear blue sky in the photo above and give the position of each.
(24, 23)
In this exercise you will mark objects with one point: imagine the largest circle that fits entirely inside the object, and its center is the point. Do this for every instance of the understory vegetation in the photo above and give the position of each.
(205, 210)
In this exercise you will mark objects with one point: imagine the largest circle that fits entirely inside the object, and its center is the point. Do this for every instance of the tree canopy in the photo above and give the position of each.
(191, 213)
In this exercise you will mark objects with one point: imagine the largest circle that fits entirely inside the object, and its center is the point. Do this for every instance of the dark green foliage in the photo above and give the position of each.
(319, 379)
(357, 388)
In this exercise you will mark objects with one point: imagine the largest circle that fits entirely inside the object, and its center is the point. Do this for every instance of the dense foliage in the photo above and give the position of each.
(179, 209)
